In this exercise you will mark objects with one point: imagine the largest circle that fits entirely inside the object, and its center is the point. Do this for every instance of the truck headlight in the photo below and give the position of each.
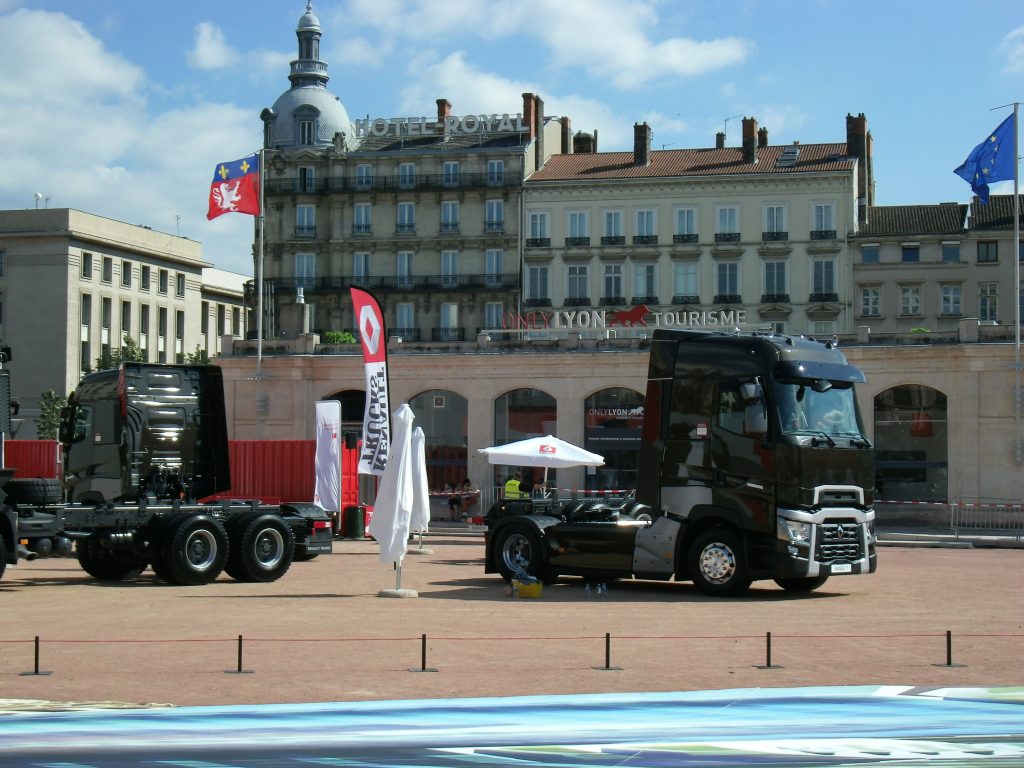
(792, 530)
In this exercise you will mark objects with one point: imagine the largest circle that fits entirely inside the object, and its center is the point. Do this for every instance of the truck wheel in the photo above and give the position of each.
(195, 551)
(808, 584)
(34, 491)
(262, 548)
(717, 563)
(107, 564)
(518, 548)
(159, 535)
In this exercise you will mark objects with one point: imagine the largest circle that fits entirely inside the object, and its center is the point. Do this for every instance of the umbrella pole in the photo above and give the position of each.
(398, 575)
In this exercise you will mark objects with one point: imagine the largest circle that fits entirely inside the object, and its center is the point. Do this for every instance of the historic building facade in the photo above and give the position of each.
(424, 212)
(73, 285)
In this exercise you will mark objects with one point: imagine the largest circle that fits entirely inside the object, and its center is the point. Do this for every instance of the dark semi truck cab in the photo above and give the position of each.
(753, 465)
(145, 454)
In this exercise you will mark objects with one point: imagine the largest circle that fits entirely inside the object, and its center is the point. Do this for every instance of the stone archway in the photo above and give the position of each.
(911, 444)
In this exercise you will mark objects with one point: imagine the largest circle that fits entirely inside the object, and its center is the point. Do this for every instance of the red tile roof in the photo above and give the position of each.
(667, 163)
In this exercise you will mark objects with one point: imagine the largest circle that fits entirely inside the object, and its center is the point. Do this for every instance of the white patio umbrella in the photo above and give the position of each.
(542, 452)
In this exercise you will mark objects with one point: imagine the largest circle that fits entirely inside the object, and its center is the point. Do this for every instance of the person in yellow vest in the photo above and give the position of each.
(512, 489)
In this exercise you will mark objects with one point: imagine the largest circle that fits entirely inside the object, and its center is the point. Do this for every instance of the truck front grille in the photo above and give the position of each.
(840, 540)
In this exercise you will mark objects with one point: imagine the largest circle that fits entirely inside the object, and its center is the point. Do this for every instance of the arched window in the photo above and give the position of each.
(442, 415)
(613, 420)
(520, 414)
(911, 446)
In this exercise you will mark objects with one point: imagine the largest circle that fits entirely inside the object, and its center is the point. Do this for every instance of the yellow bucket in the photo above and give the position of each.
(527, 590)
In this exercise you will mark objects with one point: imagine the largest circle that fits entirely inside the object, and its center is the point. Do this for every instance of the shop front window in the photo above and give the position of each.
(911, 445)
(613, 422)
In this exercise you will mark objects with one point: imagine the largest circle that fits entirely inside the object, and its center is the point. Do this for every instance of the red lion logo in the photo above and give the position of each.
(630, 317)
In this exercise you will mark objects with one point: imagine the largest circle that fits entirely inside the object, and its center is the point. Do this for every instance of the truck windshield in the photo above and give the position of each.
(812, 407)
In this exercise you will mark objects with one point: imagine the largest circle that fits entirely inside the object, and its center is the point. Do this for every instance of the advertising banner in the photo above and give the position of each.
(327, 491)
(377, 416)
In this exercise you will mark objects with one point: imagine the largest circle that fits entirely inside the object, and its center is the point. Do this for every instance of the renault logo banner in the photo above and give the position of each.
(377, 416)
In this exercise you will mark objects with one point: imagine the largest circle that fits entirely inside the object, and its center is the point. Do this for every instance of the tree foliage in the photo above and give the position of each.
(129, 352)
(48, 420)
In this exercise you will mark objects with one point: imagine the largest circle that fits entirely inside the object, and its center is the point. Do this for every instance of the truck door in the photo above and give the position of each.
(742, 459)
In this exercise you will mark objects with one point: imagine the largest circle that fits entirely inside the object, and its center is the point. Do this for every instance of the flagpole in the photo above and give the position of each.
(1018, 395)
(259, 304)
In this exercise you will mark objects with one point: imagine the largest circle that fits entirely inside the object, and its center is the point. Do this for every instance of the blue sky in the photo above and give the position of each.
(122, 108)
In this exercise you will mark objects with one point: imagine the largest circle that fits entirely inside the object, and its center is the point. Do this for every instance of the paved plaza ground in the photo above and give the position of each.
(322, 633)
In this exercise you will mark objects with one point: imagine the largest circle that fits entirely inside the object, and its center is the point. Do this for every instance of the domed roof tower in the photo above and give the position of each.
(307, 114)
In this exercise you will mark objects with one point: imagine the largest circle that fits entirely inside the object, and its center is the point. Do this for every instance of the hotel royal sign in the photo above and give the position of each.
(424, 126)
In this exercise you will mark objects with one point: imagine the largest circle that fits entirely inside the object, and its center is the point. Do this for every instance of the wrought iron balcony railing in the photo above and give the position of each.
(645, 239)
(474, 282)
(613, 240)
(774, 236)
(538, 242)
(684, 239)
(824, 297)
(727, 298)
(775, 298)
(823, 234)
(391, 183)
(577, 242)
(727, 237)
(686, 298)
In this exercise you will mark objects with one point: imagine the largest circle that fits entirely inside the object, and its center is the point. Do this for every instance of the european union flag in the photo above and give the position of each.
(992, 160)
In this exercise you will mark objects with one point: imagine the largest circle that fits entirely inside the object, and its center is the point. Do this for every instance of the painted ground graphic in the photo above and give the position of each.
(805, 727)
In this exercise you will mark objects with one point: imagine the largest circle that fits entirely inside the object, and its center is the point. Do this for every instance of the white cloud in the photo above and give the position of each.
(211, 49)
(1012, 48)
(467, 88)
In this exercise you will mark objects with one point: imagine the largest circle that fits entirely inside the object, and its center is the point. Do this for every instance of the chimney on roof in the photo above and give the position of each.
(720, 140)
(859, 145)
(762, 137)
(749, 140)
(642, 136)
(539, 157)
(530, 113)
(444, 111)
(584, 143)
(566, 136)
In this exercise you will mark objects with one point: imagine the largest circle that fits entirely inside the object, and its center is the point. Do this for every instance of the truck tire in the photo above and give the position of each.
(106, 564)
(518, 548)
(34, 491)
(3, 556)
(159, 534)
(808, 584)
(262, 548)
(195, 551)
(717, 563)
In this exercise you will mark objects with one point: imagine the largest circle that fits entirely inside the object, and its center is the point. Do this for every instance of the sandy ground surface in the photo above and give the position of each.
(322, 633)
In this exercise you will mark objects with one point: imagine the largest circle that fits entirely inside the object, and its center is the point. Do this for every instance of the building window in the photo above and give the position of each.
(406, 218)
(449, 316)
(493, 312)
(179, 285)
(988, 252)
(403, 269)
(494, 216)
(144, 278)
(869, 254)
(162, 281)
(307, 178)
(613, 282)
(144, 332)
(613, 224)
(493, 258)
(727, 220)
(179, 336)
(126, 273)
(450, 173)
(307, 132)
(951, 252)
(107, 275)
(204, 318)
(871, 301)
(684, 282)
(106, 310)
(988, 302)
(685, 226)
(360, 265)
(538, 234)
(579, 226)
(537, 286)
(823, 327)
(221, 319)
(361, 218)
(236, 322)
(305, 220)
(449, 268)
(910, 253)
(823, 278)
(775, 219)
(775, 281)
(950, 295)
(126, 319)
(450, 216)
(645, 288)
(577, 288)
(728, 274)
(305, 270)
(824, 224)
(364, 177)
(405, 320)
(86, 266)
(3, 263)
(407, 175)
(495, 173)
(161, 335)
(85, 363)
(646, 226)
(910, 300)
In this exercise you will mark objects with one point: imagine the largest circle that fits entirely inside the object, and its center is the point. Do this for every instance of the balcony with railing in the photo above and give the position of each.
(649, 299)
(447, 334)
(823, 234)
(305, 230)
(686, 298)
(536, 302)
(823, 297)
(775, 298)
(538, 242)
(494, 227)
(774, 236)
(727, 237)
(405, 229)
(685, 239)
(450, 228)
(577, 242)
(727, 298)
(613, 240)
(362, 229)
(406, 334)
(613, 301)
(645, 239)
(469, 282)
(576, 301)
